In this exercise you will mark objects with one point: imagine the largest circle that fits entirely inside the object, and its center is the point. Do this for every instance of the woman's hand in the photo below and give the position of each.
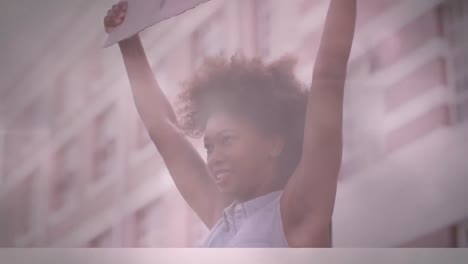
(115, 16)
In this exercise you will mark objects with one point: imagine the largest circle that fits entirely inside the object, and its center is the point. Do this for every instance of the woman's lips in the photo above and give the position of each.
(221, 176)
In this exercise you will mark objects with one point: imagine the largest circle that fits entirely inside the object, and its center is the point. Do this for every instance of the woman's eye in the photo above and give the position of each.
(208, 148)
(227, 140)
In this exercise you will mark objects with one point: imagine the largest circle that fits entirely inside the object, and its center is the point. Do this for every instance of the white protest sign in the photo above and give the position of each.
(142, 14)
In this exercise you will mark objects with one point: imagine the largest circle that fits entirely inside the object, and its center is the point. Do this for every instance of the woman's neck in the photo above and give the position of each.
(259, 194)
(271, 183)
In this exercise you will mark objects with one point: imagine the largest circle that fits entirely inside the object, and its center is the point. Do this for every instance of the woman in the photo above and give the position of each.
(273, 150)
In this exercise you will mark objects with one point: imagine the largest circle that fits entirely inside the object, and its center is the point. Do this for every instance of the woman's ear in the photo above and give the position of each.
(277, 146)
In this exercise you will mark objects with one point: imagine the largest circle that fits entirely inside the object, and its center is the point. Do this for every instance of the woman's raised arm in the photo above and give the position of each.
(185, 165)
(309, 197)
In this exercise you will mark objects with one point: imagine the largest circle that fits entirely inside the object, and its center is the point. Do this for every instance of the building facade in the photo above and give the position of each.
(78, 168)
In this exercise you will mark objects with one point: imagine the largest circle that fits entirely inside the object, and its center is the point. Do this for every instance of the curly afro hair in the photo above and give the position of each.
(267, 94)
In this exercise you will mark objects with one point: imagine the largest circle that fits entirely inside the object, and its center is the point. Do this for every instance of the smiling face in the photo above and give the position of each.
(260, 142)
(241, 159)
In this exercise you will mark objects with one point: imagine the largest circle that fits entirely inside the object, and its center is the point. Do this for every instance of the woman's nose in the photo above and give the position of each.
(215, 157)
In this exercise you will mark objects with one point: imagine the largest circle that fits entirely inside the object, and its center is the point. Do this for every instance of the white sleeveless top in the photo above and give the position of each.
(255, 223)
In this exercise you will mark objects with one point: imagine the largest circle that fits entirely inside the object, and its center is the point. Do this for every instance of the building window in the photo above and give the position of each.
(104, 160)
(2, 160)
(59, 94)
(209, 39)
(103, 240)
(24, 134)
(443, 238)
(93, 70)
(142, 137)
(462, 234)
(68, 93)
(64, 181)
(263, 27)
(105, 144)
(106, 124)
(62, 192)
(148, 227)
(20, 208)
(9, 162)
(455, 21)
